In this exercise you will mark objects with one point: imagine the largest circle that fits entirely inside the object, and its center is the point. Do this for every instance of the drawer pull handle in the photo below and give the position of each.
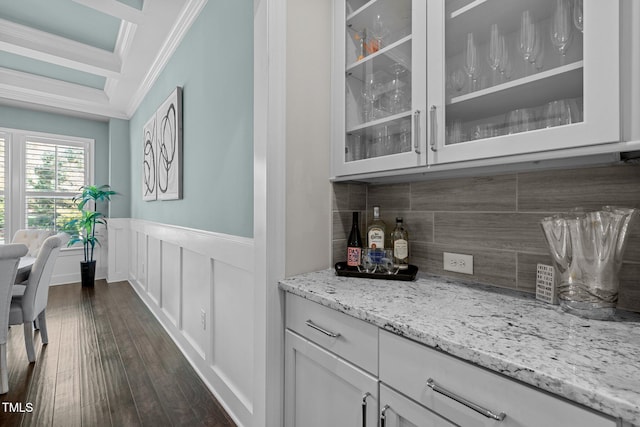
(434, 132)
(310, 324)
(383, 415)
(416, 137)
(479, 409)
(364, 408)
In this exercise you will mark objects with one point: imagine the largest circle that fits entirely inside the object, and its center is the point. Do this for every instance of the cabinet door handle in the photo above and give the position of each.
(479, 409)
(364, 408)
(383, 415)
(416, 131)
(310, 324)
(433, 136)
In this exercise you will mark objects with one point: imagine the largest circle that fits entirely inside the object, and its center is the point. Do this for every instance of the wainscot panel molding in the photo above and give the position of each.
(200, 287)
(67, 268)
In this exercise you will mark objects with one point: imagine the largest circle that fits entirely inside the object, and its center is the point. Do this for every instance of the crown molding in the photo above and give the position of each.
(28, 88)
(47, 47)
(124, 42)
(189, 14)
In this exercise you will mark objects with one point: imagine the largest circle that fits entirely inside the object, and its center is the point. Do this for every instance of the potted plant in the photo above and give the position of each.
(83, 229)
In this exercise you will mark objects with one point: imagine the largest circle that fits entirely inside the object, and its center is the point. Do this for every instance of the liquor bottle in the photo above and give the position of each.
(377, 231)
(400, 245)
(354, 243)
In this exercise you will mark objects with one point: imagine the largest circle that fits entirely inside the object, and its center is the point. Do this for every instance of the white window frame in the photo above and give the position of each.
(15, 170)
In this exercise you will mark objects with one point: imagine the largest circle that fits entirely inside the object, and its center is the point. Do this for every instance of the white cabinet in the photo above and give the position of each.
(379, 86)
(342, 371)
(400, 411)
(468, 395)
(322, 389)
(325, 383)
(521, 78)
(489, 79)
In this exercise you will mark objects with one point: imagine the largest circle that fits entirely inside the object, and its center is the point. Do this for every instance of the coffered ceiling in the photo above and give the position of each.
(88, 58)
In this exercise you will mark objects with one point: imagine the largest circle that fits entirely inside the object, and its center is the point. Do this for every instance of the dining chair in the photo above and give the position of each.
(9, 257)
(29, 302)
(33, 238)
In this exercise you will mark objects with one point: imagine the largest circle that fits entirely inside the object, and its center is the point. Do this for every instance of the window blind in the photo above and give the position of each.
(54, 172)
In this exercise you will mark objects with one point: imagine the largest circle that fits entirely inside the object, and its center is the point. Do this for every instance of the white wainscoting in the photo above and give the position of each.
(67, 268)
(188, 276)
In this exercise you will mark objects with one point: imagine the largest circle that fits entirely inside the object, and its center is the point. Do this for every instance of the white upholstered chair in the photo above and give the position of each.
(33, 238)
(29, 301)
(9, 257)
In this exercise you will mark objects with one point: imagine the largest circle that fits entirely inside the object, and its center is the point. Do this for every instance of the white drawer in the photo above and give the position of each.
(355, 340)
(406, 366)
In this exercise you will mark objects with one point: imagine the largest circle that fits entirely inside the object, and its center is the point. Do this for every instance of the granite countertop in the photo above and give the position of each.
(595, 363)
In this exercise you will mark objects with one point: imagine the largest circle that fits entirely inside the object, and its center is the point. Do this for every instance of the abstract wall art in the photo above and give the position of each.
(149, 160)
(162, 156)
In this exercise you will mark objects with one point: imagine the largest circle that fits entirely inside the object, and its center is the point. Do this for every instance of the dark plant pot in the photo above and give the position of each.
(88, 273)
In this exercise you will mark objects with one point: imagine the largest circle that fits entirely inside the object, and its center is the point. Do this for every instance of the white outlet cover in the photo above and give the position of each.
(458, 263)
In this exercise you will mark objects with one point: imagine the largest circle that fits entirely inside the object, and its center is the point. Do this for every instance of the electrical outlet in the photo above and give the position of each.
(203, 318)
(458, 263)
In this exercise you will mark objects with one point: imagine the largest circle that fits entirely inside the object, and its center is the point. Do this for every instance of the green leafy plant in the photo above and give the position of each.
(83, 229)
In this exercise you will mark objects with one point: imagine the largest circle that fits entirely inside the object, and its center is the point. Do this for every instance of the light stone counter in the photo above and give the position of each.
(595, 363)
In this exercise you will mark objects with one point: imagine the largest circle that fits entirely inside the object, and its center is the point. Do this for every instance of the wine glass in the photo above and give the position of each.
(397, 99)
(458, 79)
(578, 16)
(379, 32)
(495, 52)
(370, 95)
(538, 51)
(561, 26)
(505, 62)
(527, 37)
(471, 62)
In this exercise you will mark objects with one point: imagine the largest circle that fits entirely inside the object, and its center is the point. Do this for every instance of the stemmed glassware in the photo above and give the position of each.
(379, 32)
(538, 51)
(505, 62)
(397, 100)
(561, 26)
(457, 79)
(578, 16)
(370, 95)
(527, 37)
(495, 52)
(471, 62)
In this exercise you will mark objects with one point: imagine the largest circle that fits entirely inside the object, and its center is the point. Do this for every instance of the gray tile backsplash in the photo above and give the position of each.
(493, 218)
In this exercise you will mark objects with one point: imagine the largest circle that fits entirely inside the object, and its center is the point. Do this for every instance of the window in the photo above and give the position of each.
(44, 172)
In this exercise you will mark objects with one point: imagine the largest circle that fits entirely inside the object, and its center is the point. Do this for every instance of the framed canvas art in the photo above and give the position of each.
(162, 157)
(149, 160)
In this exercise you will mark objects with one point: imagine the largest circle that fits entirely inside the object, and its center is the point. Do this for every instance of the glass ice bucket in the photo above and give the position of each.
(587, 249)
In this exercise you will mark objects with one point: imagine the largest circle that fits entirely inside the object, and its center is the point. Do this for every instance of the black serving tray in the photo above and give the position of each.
(405, 275)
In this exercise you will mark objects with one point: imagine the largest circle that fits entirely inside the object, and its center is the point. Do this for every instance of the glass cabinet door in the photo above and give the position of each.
(520, 76)
(379, 112)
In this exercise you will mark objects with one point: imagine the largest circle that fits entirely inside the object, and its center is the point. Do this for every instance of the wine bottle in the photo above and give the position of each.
(377, 231)
(354, 243)
(400, 245)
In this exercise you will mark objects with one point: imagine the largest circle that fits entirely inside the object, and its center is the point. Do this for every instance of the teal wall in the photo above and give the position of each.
(214, 66)
(119, 168)
(38, 121)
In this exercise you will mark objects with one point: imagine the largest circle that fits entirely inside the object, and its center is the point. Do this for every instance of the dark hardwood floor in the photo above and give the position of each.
(108, 363)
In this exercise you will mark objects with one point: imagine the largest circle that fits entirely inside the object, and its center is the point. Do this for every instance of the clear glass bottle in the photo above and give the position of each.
(377, 231)
(354, 243)
(400, 245)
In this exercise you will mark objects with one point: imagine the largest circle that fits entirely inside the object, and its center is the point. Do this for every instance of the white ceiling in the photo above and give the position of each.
(87, 58)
